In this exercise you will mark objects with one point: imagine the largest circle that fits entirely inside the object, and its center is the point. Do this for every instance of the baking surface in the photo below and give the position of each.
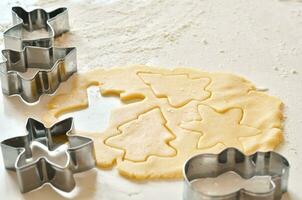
(260, 40)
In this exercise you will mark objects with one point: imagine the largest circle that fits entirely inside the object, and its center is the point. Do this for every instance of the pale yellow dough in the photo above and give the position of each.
(176, 114)
(155, 140)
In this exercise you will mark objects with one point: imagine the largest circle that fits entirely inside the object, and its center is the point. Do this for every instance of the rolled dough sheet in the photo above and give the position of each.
(170, 115)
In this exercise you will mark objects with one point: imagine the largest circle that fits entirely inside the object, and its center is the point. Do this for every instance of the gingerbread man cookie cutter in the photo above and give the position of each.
(33, 174)
(259, 164)
(55, 22)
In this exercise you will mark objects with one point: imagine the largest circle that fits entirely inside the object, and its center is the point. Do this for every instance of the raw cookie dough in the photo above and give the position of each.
(220, 127)
(170, 115)
(134, 132)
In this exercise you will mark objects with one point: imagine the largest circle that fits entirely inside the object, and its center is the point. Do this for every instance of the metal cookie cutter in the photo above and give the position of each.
(259, 164)
(54, 65)
(55, 22)
(31, 175)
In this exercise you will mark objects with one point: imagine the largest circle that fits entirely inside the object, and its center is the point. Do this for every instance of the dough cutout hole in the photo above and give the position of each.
(98, 105)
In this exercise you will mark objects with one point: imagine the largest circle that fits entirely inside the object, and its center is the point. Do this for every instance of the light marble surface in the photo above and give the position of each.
(260, 40)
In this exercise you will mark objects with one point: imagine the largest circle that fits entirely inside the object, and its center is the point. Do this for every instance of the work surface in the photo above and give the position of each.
(260, 40)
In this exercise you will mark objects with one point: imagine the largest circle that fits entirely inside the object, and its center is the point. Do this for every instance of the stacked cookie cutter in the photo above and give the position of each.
(259, 164)
(54, 65)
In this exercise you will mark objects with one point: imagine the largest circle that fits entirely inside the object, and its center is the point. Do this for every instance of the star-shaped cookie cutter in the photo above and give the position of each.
(55, 22)
(54, 65)
(31, 175)
(259, 164)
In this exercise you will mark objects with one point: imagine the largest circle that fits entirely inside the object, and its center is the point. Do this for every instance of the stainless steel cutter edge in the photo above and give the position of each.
(56, 22)
(16, 151)
(260, 163)
(46, 80)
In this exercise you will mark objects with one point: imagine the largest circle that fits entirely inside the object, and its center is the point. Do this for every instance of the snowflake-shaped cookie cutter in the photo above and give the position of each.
(33, 174)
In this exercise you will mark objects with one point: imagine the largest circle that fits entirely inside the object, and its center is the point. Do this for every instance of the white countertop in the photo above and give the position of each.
(260, 40)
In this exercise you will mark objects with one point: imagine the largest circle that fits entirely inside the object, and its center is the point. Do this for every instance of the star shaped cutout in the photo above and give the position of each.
(220, 127)
(31, 175)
